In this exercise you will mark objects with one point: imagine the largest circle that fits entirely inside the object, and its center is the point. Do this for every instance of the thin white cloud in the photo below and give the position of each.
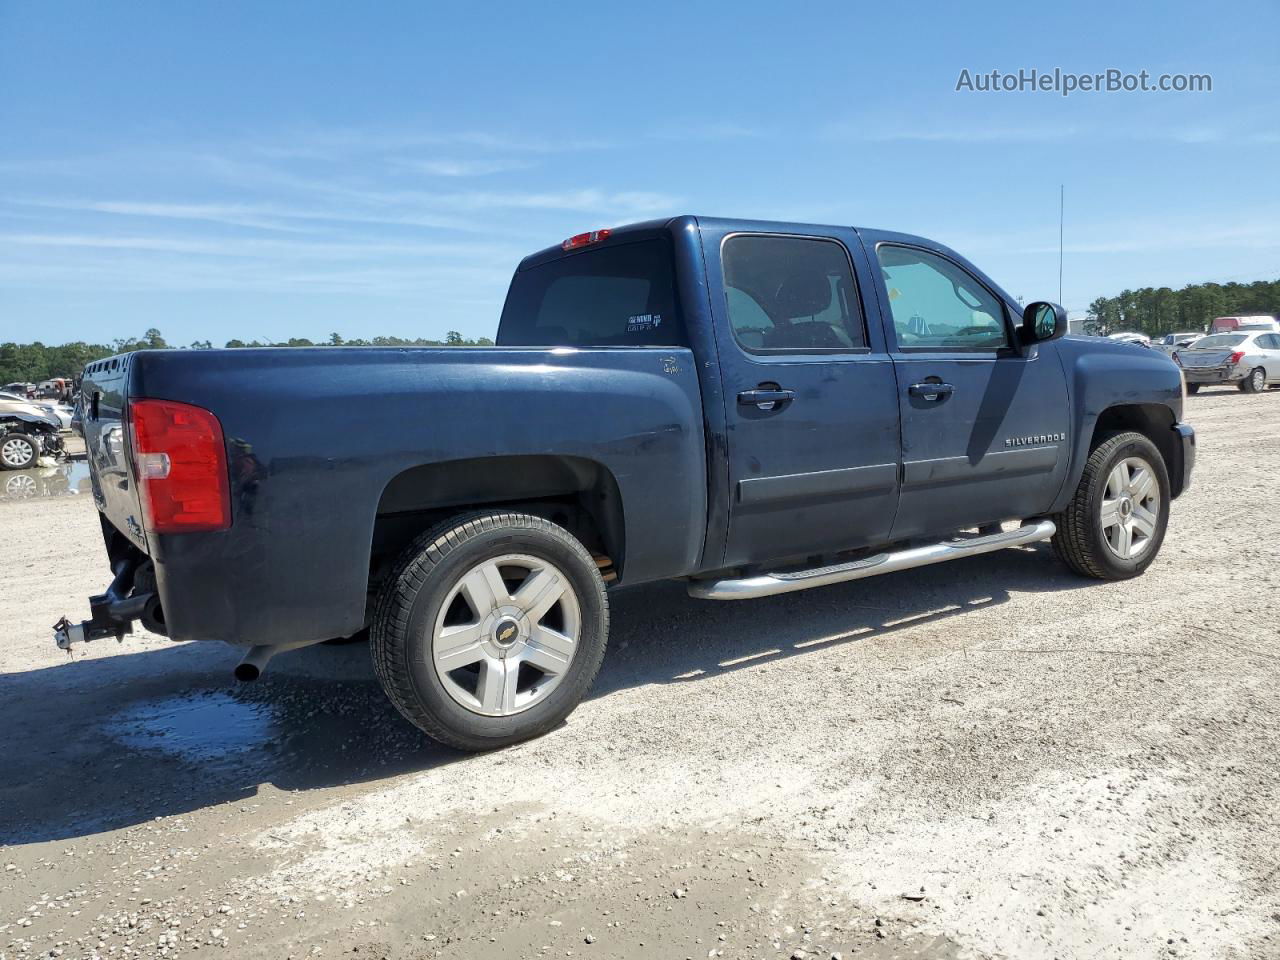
(456, 168)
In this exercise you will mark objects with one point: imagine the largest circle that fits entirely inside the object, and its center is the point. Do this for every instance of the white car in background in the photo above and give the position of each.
(1250, 360)
(1171, 343)
(1126, 337)
(59, 411)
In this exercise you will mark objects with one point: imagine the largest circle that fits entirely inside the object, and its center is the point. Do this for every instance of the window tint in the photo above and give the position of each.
(614, 296)
(938, 306)
(791, 293)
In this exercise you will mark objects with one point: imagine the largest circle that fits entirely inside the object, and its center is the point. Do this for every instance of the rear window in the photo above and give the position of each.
(617, 296)
(1221, 340)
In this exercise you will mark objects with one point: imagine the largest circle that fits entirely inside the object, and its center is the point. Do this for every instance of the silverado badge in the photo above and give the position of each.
(1035, 439)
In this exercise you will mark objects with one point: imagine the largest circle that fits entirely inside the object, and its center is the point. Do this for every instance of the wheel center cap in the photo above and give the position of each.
(1126, 506)
(505, 632)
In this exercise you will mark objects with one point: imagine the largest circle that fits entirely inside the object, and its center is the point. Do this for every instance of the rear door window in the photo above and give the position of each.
(791, 295)
(616, 296)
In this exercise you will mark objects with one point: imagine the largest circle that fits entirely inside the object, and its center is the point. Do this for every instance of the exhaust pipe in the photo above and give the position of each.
(255, 661)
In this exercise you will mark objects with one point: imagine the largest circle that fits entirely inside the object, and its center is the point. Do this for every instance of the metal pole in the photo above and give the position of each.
(1062, 202)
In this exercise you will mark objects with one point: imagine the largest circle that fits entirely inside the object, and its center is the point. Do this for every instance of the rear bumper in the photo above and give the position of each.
(1212, 375)
(1187, 447)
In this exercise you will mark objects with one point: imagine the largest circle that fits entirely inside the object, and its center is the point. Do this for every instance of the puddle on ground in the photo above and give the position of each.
(198, 728)
(66, 479)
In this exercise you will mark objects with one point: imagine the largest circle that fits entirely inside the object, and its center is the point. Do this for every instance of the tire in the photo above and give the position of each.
(1193, 389)
(1085, 541)
(444, 631)
(1255, 382)
(18, 451)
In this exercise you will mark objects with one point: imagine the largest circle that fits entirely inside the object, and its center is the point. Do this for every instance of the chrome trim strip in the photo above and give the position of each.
(768, 584)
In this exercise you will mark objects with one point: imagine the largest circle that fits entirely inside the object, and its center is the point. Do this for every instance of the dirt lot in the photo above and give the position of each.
(985, 758)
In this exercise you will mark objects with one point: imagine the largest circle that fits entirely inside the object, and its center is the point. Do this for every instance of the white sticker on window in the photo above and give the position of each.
(644, 321)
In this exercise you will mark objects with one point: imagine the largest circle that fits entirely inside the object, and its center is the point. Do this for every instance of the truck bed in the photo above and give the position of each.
(322, 443)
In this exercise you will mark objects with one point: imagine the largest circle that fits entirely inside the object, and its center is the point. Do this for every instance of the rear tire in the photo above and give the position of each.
(490, 630)
(1255, 382)
(1114, 525)
(1193, 389)
(18, 451)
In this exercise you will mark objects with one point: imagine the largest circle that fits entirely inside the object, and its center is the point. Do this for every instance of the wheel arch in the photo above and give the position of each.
(1155, 422)
(577, 493)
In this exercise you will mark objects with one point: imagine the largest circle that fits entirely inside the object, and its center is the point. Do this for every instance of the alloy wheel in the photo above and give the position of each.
(506, 634)
(1130, 512)
(15, 452)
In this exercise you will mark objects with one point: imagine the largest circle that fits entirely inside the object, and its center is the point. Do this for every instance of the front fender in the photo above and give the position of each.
(1127, 384)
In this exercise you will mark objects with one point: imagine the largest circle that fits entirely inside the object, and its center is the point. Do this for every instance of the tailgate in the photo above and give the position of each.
(104, 394)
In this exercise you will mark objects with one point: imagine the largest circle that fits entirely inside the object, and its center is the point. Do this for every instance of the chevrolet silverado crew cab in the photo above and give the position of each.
(752, 408)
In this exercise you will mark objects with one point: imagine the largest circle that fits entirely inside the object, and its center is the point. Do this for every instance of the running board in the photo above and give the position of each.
(768, 584)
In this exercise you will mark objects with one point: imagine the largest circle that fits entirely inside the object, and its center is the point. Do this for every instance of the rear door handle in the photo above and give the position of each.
(765, 398)
(931, 391)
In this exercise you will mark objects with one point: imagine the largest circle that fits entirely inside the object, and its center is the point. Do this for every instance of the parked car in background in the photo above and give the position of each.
(1250, 360)
(1171, 343)
(1125, 337)
(1261, 321)
(28, 431)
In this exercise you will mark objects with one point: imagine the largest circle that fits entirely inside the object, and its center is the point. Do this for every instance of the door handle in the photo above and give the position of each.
(931, 391)
(766, 398)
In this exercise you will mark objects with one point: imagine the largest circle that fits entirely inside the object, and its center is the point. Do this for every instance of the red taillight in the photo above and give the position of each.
(1236, 357)
(181, 466)
(582, 239)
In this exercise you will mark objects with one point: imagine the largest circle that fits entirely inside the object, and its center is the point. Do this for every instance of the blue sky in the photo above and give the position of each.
(258, 170)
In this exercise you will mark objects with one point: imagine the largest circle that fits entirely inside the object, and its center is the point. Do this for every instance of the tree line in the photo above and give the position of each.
(33, 362)
(1155, 311)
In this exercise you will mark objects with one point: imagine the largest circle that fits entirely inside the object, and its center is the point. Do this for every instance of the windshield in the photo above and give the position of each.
(1220, 340)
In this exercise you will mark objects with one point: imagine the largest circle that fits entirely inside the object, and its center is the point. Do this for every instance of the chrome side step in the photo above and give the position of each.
(767, 584)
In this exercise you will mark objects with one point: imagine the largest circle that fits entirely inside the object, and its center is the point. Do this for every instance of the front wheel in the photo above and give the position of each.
(1114, 525)
(491, 629)
(1193, 389)
(1255, 382)
(18, 451)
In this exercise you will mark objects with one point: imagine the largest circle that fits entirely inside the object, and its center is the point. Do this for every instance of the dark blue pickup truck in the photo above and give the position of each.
(751, 407)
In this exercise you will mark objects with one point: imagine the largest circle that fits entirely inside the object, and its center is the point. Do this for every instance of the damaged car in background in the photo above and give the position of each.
(28, 431)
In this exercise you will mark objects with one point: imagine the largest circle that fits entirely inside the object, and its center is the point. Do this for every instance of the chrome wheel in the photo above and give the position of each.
(15, 452)
(506, 634)
(1259, 378)
(1130, 514)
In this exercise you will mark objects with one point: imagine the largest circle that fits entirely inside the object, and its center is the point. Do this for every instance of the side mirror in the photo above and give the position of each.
(1042, 321)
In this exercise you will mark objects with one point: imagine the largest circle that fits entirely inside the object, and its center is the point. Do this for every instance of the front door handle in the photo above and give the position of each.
(766, 398)
(931, 391)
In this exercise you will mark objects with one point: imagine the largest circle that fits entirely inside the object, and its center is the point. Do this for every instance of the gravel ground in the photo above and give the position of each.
(986, 758)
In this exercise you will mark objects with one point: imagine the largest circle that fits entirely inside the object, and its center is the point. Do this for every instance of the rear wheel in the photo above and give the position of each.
(18, 451)
(1193, 389)
(1255, 382)
(1115, 523)
(491, 629)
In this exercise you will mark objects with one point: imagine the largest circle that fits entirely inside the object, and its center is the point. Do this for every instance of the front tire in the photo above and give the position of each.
(490, 630)
(1193, 389)
(18, 451)
(1114, 525)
